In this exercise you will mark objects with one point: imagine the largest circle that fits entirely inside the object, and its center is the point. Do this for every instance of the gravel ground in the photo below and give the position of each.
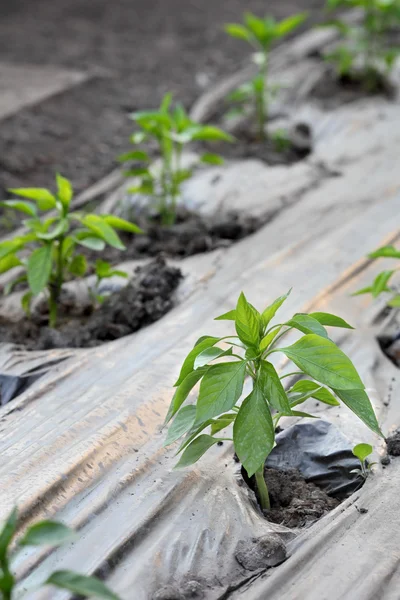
(136, 50)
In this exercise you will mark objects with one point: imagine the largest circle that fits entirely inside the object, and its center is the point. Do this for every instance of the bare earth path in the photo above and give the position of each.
(134, 51)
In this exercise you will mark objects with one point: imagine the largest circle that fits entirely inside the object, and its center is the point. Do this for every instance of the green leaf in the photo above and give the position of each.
(78, 265)
(26, 302)
(39, 268)
(324, 361)
(9, 262)
(269, 338)
(220, 389)
(64, 191)
(257, 26)
(395, 301)
(7, 533)
(44, 199)
(195, 450)
(29, 208)
(380, 283)
(238, 31)
(210, 133)
(183, 391)
(118, 223)
(166, 102)
(307, 324)
(253, 431)
(272, 309)
(287, 25)
(8, 288)
(211, 159)
(362, 451)
(228, 316)
(49, 533)
(90, 587)
(357, 400)
(385, 252)
(10, 247)
(303, 415)
(330, 320)
(138, 137)
(222, 422)
(210, 354)
(272, 388)
(247, 322)
(310, 389)
(183, 422)
(60, 228)
(134, 155)
(103, 230)
(188, 364)
(94, 243)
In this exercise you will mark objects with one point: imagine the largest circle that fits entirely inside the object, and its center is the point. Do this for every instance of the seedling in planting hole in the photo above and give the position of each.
(45, 533)
(47, 253)
(260, 34)
(331, 377)
(381, 282)
(172, 129)
(366, 49)
(362, 451)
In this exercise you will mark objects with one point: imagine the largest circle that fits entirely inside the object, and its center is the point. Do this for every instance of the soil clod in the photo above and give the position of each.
(393, 444)
(258, 553)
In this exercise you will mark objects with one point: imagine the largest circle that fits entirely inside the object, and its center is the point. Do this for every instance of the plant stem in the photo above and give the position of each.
(55, 289)
(261, 101)
(262, 489)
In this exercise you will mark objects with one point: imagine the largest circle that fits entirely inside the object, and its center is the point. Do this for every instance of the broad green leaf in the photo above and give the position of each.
(102, 268)
(257, 26)
(29, 208)
(311, 389)
(272, 388)
(211, 159)
(330, 320)
(395, 301)
(385, 252)
(238, 31)
(287, 25)
(134, 155)
(94, 243)
(60, 228)
(183, 391)
(253, 431)
(269, 338)
(64, 191)
(39, 268)
(183, 422)
(44, 199)
(10, 247)
(9, 262)
(220, 389)
(49, 533)
(380, 283)
(192, 434)
(247, 322)
(103, 230)
(228, 316)
(210, 354)
(210, 133)
(78, 265)
(362, 451)
(8, 532)
(357, 400)
(90, 587)
(195, 450)
(307, 324)
(188, 364)
(324, 361)
(271, 310)
(222, 422)
(118, 223)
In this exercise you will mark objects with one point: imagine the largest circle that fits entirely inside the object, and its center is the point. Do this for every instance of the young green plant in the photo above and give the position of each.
(260, 34)
(45, 533)
(172, 130)
(381, 282)
(47, 253)
(362, 451)
(366, 49)
(330, 377)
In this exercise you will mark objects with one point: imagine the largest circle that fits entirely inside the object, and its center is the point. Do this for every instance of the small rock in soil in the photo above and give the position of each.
(385, 460)
(393, 444)
(259, 553)
(168, 592)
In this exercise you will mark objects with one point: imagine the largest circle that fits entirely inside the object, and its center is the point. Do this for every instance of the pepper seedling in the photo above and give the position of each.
(45, 533)
(47, 253)
(381, 282)
(362, 451)
(366, 51)
(172, 130)
(331, 377)
(260, 34)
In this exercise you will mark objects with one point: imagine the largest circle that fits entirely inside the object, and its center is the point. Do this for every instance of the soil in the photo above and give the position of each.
(294, 502)
(145, 299)
(393, 444)
(136, 50)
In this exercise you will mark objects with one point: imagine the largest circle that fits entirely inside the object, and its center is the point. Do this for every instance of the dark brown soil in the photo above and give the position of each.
(146, 298)
(294, 502)
(141, 49)
(393, 444)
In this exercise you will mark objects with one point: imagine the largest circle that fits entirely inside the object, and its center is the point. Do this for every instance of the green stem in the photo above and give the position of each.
(261, 101)
(262, 489)
(55, 289)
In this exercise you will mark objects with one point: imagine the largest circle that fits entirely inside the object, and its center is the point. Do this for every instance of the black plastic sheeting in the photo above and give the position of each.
(321, 453)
